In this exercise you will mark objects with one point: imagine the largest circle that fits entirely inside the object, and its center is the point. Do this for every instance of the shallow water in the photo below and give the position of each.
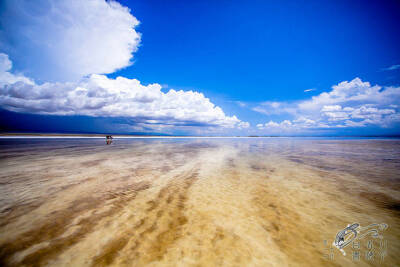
(197, 202)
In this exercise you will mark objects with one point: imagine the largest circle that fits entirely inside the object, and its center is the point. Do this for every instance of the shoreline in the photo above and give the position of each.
(98, 136)
(122, 136)
(125, 137)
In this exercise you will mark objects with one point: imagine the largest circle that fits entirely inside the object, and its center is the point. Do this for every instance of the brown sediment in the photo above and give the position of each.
(281, 221)
(172, 214)
(231, 162)
(382, 200)
(12, 213)
(92, 163)
(190, 203)
(166, 213)
(258, 167)
(58, 222)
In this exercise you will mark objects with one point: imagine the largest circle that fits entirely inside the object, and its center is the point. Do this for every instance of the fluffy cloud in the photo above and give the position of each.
(353, 93)
(53, 40)
(243, 125)
(98, 95)
(275, 125)
(65, 47)
(5, 76)
(349, 104)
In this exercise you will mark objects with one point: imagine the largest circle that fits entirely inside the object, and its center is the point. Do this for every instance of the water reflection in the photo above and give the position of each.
(211, 202)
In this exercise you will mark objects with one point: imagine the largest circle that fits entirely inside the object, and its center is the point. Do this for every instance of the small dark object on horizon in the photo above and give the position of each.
(109, 139)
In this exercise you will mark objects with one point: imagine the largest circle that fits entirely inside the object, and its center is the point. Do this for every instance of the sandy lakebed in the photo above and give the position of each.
(197, 202)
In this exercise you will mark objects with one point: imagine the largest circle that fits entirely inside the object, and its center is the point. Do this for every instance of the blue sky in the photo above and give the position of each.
(235, 67)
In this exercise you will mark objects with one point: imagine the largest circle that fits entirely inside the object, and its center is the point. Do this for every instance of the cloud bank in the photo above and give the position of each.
(349, 104)
(52, 40)
(62, 49)
(100, 96)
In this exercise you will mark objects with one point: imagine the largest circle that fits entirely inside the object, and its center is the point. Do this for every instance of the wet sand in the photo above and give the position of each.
(195, 202)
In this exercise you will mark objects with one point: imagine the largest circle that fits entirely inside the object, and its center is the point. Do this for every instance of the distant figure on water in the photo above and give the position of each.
(109, 139)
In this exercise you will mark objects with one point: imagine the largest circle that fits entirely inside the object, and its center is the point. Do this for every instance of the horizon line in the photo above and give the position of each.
(126, 136)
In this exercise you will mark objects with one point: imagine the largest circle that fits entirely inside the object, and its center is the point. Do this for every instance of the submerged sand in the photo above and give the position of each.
(188, 202)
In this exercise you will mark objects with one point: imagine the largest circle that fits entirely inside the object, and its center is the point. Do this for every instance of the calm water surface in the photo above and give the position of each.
(197, 202)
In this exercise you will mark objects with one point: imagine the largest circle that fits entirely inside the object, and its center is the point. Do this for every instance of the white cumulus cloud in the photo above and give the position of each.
(98, 95)
(349, 104)
(243, 125)
(62, 49)
(54, 40)
(5, 76)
